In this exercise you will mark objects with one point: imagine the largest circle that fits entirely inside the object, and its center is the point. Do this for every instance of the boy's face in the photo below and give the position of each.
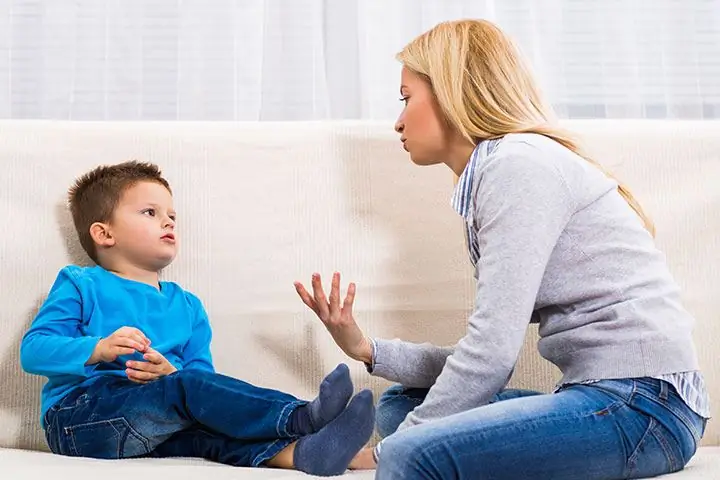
(143, 226)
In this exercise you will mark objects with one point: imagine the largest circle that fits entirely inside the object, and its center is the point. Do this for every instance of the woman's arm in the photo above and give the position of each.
(521, 206)
(415, 365)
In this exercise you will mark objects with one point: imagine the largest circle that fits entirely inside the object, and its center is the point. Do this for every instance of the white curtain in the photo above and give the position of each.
(321, 59)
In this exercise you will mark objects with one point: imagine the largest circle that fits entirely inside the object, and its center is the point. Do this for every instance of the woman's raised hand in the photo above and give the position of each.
(337, 317)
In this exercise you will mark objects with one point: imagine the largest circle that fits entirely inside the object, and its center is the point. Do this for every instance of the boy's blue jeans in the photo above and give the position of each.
(191, 413)
(613, 429)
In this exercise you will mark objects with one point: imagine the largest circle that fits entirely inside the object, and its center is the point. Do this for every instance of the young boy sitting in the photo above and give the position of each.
(127, 357)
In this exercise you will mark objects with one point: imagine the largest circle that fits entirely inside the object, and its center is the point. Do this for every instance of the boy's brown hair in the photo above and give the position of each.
(94, 196)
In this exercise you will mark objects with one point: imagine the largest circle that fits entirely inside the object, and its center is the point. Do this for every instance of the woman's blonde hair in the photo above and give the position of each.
(486, 90)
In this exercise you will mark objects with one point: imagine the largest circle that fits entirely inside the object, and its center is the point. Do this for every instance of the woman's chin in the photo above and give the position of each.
(422, 160)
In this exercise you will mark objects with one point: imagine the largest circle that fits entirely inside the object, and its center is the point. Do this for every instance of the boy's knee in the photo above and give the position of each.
(192, 378)
(391, 393)
(390, 413)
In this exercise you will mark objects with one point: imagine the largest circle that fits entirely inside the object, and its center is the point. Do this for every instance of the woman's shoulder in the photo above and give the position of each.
(530, 146)
(524, 152)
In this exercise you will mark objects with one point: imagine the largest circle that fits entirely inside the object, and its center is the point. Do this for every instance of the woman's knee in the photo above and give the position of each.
(404, 455)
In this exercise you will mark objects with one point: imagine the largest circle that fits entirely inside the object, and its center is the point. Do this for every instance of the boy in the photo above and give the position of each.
(127, 357)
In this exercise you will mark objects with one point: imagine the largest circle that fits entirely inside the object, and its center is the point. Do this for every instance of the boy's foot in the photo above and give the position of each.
(329, 451)
(335, 391)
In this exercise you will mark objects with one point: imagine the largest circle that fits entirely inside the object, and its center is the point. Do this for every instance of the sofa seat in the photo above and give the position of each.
(31, 465)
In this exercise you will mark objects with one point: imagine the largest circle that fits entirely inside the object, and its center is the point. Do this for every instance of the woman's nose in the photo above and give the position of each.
(399, 125)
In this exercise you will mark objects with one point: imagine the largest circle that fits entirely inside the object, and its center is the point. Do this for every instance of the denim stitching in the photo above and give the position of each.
(141, 438)
(631, 463)
(70, 431)
(679, 414)
(263, 456)
(415, 400)
(284, 419)
(667, 450)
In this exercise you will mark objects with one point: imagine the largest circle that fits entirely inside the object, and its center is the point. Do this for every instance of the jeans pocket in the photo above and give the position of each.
(656, 453)
(107, 439)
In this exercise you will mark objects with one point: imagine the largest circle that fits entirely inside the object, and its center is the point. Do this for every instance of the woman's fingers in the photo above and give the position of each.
(349, 299)
(321, 302)
(335, 296)
(305, 296)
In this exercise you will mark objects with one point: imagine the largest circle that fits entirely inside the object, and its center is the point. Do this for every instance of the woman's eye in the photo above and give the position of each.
(404, 100)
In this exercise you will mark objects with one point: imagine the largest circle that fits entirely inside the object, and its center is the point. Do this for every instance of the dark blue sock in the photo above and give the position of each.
(335, 391)
(329, 451)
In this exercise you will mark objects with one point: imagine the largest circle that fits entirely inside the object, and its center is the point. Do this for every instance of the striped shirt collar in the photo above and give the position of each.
(462, 200)
(462, 196)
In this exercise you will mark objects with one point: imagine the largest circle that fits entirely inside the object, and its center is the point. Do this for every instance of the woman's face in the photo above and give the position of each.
(421, 125)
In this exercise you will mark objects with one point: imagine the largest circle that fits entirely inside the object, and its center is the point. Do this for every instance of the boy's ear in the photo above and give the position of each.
(101, 234)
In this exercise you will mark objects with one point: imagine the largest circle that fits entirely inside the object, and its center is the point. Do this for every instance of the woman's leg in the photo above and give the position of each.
(397, 401)
(612, 429)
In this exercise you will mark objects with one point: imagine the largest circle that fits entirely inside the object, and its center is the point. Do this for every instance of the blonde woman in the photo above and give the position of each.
(556, 240)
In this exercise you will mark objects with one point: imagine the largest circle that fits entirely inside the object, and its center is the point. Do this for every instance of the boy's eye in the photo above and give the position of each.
(150, 211)
(172, 217)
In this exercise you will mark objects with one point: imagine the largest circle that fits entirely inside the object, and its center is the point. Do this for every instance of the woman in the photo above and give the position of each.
(555, 240)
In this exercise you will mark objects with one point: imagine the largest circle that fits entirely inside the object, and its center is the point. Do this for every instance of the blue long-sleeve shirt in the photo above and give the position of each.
(86, 304)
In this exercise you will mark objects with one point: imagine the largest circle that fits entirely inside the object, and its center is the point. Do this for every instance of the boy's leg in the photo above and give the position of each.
(133, 419)
(327, 452)
(397, 401)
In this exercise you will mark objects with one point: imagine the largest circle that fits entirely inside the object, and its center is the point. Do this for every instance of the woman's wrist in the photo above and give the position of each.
(366, 353)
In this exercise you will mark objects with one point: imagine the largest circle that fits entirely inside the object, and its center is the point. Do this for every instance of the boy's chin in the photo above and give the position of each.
(163, 262)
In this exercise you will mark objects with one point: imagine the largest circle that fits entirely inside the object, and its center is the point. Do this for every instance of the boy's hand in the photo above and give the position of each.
(144, 372)
(124, 341)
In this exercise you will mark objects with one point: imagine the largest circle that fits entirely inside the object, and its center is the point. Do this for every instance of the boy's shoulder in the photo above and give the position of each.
(77, 273)
(173, 288)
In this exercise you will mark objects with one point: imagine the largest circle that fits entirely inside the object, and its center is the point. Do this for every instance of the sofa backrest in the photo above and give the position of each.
(263, 204)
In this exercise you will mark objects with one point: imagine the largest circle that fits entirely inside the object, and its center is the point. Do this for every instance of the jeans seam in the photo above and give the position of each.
(138, 436)
(415, 400)
(284, 419)
(667, 450)
(264, 455)
(632, 459)
(618, 398)
(70, 431)
(680, 415)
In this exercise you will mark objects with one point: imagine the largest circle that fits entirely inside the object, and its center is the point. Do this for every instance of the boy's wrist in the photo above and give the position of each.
(96, 355)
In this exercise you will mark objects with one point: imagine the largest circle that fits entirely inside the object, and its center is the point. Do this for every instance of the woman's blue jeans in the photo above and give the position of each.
(612, 429)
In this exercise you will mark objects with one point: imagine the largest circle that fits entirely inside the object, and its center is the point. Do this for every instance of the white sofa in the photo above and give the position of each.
(264, 204)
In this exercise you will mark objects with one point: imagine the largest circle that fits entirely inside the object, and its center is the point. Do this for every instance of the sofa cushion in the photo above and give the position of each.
(22, 465)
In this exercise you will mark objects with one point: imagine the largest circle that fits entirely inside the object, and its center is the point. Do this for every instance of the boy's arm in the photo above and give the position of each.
(196, 354)
(55, 344)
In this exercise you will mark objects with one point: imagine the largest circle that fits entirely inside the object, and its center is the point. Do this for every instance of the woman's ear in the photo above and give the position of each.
(101, 234)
